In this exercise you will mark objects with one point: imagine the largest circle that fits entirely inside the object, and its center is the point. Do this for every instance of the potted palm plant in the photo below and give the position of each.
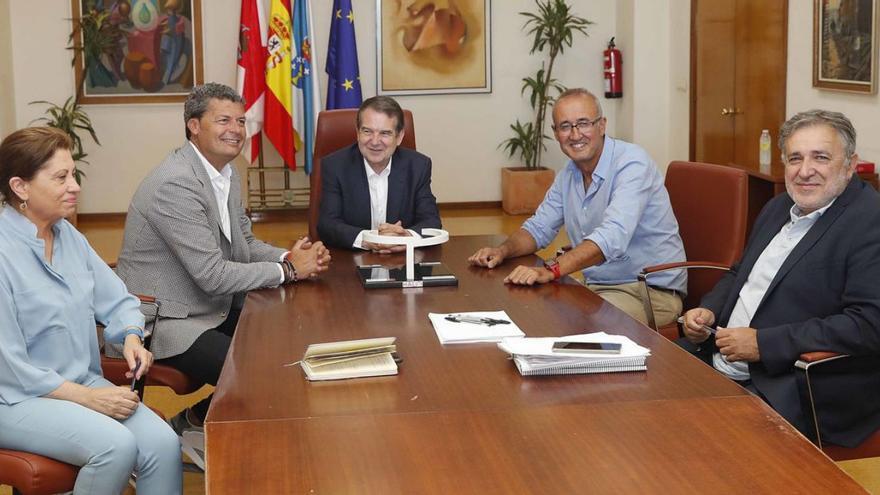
(552, 28)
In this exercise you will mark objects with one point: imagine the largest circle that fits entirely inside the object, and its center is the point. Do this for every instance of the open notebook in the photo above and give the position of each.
(350, 359)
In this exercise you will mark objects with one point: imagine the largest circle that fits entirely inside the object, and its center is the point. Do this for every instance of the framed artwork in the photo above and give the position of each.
(433, 47)
(136, 51)
(845, 45)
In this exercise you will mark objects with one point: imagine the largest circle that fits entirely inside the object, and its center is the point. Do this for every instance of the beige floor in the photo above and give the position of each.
(106, 238)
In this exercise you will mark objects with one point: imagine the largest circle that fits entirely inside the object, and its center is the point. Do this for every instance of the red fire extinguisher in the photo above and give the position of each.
(613, 74)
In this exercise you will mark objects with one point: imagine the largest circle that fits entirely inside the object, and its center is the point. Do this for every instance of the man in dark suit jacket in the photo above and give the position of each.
(809, 280)
(376, 185)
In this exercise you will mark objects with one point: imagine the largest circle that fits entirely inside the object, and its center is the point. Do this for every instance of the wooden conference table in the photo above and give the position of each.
(460, 419)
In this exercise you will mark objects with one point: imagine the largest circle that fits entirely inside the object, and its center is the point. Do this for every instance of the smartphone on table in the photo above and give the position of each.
(586, 347)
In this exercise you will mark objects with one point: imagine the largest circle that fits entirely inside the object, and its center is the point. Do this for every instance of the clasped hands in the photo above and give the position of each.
(395, 229)
(735, 344)
(309, 258)
(490, 257)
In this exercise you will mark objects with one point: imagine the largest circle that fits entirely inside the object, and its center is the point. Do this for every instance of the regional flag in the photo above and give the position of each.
(251, 79)
(305, 79)
(279, 97)
(344, 82)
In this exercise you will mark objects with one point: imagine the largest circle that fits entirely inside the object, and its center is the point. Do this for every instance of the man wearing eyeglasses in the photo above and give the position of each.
(616, 211)
(376, 185)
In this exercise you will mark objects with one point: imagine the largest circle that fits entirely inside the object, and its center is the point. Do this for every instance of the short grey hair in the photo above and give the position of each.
(581, 92)
(835, 120)
(197, 102)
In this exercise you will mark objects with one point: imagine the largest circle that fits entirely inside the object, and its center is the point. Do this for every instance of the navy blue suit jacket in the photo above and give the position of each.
(826, 296)
(345, 195)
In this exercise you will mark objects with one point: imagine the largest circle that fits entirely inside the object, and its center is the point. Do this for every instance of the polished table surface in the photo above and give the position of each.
(460, 418)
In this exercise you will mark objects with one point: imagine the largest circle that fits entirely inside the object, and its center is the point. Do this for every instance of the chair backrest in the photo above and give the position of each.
(337, 129)
(711, 203)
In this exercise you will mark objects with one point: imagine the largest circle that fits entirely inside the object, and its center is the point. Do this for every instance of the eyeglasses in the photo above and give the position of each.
(582, 125)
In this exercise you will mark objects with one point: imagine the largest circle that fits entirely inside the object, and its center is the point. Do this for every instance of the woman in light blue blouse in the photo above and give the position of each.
(53, 288)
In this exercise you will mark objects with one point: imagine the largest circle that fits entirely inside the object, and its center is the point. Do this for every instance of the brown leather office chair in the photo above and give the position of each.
(710, 203)
(337, 129)
(815, 363)
(33, 474)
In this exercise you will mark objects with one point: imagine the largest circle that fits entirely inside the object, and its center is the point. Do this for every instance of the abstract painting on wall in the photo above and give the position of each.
(433, 46)
(136, 51)
(845, 45)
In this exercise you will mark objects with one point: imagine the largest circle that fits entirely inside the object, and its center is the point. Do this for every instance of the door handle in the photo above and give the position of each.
(731, 111)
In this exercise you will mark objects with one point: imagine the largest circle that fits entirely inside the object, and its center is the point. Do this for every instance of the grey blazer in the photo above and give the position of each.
(174, 250)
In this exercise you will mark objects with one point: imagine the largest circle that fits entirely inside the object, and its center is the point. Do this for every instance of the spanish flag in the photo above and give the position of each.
(278, 124)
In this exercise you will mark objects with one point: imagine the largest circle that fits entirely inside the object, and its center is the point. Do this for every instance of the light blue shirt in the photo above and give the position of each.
(625, 211)
(48, 311)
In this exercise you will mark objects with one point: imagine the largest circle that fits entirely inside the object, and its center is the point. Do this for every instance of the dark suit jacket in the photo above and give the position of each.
(826, 296)
(345, 195)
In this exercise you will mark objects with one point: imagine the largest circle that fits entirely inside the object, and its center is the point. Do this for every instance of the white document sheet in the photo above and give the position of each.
(450, 332)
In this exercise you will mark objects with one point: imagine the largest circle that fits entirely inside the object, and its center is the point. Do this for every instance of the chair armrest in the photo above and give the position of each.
(651, 270)
(684, 264)
(146, 299)
(805, 386)
(814, 358)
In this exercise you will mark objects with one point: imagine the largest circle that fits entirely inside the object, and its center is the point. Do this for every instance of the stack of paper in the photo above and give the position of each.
(350, 359)
(465, 332)
(535, 356)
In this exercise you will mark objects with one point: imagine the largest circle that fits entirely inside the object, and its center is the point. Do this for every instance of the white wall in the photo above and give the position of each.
(863, 110)
(7, 90)
(655, 111)
(460, 132)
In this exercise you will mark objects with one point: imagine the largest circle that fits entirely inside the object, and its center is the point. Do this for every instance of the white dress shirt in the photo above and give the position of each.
(378, 184)
(762, 274)
(221, 182)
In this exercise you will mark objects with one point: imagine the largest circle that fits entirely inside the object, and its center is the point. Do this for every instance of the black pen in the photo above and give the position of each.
(134, 379)
(477, 320)
(704, 327)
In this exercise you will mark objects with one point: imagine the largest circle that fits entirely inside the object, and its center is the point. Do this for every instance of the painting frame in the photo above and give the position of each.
(825, 24)
(191, 73)
(444, 85)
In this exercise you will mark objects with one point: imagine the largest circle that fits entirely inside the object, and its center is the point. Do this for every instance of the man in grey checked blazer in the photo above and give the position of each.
(197, 258)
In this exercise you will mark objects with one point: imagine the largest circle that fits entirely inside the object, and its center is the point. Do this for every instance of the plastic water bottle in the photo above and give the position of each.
(764, 147)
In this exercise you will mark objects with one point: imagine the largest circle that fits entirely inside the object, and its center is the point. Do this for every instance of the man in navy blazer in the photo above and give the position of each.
(809, 280)
(376, 185)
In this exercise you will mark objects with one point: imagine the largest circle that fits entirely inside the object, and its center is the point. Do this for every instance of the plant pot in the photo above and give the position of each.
(523, 189)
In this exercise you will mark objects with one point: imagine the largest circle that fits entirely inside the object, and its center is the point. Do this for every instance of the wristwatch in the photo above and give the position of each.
(553, 265)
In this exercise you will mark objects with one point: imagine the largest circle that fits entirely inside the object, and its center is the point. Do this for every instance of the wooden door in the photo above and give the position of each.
(738, 71)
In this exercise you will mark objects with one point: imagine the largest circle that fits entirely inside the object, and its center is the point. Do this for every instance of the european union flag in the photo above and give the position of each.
(344, 81)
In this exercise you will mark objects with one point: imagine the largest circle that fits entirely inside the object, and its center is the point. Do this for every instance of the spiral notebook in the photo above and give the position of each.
(535, 356)
(603, 366)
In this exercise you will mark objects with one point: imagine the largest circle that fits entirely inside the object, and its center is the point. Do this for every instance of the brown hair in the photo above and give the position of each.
(24, 152)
